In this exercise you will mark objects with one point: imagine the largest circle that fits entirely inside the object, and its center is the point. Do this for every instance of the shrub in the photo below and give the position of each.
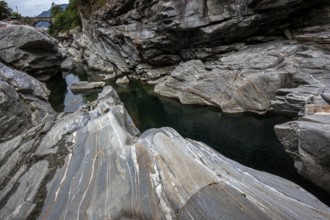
(5, 11)
(65, 20)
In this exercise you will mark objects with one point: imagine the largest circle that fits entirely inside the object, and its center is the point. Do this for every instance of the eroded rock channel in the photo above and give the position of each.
(92, 162)
(110, 170)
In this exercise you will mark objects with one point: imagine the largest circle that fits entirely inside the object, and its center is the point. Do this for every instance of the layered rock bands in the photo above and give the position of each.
(248, 55)
(94, 164)
(235, 55)
(27, 49)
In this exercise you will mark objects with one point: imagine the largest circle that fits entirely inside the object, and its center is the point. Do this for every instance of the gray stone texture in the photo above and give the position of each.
(27, 49)
(307, 141)
(234, 55)
(23, 102)
(94, 164)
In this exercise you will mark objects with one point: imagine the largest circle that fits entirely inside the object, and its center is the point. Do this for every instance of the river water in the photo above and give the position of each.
(246, 138)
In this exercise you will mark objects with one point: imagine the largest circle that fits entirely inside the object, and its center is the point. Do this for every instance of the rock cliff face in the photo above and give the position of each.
(29, 50)
(249, 85)
(247, 55)
(94, 164)
(241, 52)
(307, 142)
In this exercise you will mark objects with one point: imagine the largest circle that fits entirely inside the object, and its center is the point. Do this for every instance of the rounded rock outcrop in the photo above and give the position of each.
(27, 49)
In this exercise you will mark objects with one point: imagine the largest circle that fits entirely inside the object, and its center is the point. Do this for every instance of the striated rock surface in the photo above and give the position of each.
(29, 50)
(94, 164)
(247, 80)
(68, 64)
(23, 103)
(162, 33)
(307, 142)
(236, 55)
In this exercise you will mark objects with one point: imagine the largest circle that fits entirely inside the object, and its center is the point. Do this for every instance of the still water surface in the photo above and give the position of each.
(246, 138)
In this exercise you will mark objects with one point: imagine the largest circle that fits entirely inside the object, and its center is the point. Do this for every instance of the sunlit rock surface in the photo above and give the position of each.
(94, 164)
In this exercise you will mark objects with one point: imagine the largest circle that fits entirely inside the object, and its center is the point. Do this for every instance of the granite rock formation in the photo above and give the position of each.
(23, 103)
(248, 55)
(149, 40)
(307, 142)
(27, 49)
(95, 164)
(251, 84)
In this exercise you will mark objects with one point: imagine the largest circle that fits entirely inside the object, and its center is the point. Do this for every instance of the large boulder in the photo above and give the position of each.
(23, 103)
(247, 80)
(94, 164)
(29, 50)
(307, 141)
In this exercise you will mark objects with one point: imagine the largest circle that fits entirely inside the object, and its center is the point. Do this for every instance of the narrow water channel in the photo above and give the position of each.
(246, 138)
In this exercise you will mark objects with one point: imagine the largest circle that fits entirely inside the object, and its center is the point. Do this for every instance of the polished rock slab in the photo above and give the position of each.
(94, 164)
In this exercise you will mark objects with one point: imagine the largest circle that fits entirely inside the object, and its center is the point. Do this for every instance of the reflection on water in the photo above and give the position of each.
(246, 138)
(62, 98)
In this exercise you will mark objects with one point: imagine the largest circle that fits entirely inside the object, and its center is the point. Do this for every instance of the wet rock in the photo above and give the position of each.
(85, 85)
(307, 142)
(29, 50)
(96, 161)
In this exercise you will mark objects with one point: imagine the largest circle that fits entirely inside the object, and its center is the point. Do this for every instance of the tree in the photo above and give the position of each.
(55, 10)
(66, 20)
(5, 11)
(15, 15)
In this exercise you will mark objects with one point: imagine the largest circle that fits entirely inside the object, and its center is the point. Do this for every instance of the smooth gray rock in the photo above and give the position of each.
(307, 142)
(326, 97)
(28, 49)
(247, 80)
(94, 164)
(85, 85)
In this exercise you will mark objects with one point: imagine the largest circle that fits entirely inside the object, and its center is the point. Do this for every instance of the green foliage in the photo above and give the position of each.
(15, 15)
(66, 20)
(5, 11)
(55, 10)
